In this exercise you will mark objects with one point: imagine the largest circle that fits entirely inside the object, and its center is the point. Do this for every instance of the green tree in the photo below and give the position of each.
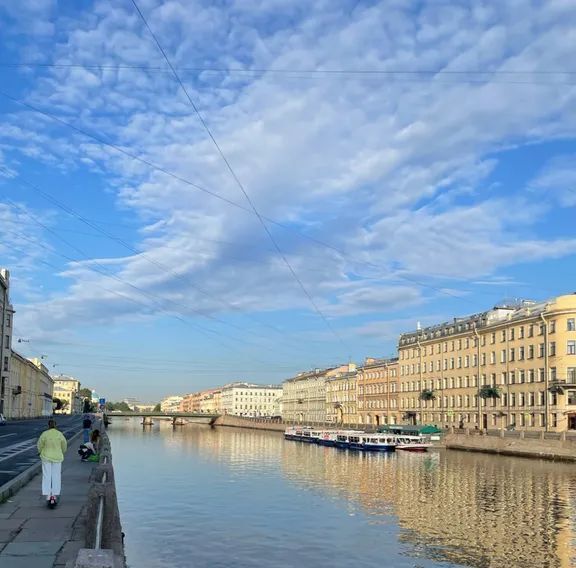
(57, 403)
(158, 408)
(85, 393)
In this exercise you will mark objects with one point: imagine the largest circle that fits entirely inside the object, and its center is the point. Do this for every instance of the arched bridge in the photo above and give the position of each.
(197, 417)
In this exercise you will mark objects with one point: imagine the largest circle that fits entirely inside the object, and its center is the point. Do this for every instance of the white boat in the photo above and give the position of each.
(413, 443)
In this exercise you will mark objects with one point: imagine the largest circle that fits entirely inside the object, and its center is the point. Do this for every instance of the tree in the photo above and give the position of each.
(121, 406)
(87, 406)
(488, 391)
(427, 394)
(57, 403)
(158, 408)
(85, 393)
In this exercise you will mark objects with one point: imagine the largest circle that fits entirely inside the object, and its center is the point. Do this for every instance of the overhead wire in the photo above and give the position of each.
(237, 180)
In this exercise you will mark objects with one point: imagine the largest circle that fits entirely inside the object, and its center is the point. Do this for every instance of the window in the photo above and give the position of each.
(492, 338)
(483, 359)
(531, 375)
(6, 364)
(552, 348)
(571, 374)
(521, 376)
(571, 324)
(503, 338)
(512, 377)
(553, 374)
(530, 399)
(571, 397)
(7, 342)
(530, 331)
(467, 361)
(503, 356)
(520, 353)
(512, 354)
(521, 332)
(512, 334)
(541, 350)
(552, 327)
(541, 375)
(493, 357)
(572, 348)
(531, 352)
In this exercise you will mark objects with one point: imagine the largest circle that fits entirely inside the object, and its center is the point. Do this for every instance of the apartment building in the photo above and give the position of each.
(341, 396)
(248, 399)
(304, 396)
(513, 366)
(29, 389)
(67, 390)
(6, 313)
(378, 392)
(171, 403)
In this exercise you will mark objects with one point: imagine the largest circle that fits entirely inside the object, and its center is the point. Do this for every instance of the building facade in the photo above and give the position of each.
(378, 392)
(171, 403)
(66, 389)
(248, 399)
(510, 367)
(342, 396)
(304, 396)
(211, 402)
(29, 389)
(6, 313)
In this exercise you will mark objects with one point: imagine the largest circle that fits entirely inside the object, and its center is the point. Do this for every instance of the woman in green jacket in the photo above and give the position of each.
(51, 447)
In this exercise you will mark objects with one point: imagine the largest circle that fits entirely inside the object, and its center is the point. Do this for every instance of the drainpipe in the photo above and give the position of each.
(546, 372)
(420, 371)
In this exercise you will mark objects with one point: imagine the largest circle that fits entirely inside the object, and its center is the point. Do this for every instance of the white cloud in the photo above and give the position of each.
(557, 180)
(376, 165)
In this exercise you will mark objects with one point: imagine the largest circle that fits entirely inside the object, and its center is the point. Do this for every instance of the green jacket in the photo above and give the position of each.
(52, 445)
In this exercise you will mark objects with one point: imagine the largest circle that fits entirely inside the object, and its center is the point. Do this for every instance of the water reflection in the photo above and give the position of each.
(262, 501)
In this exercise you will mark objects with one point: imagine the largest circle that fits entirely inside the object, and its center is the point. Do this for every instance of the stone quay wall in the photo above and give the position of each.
(111, 552)
(544, 446)
(253, 423)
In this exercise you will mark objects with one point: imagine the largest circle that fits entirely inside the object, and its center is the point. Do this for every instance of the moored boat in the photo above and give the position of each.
(414, 443)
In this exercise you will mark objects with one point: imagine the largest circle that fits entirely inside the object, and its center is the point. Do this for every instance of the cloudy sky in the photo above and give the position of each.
(390, 162)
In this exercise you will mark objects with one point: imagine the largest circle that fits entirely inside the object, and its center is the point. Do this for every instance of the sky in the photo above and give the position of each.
(309, 180)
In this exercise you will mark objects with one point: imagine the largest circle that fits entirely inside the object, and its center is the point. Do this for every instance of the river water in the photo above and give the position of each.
(196, 497)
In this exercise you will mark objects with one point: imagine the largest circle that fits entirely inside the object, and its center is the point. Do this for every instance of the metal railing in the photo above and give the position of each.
(101, 505)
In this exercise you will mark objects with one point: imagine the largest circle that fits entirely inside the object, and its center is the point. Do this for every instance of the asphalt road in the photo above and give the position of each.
(18, 442)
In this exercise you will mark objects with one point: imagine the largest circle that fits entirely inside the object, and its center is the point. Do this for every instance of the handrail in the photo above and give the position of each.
(100, 518)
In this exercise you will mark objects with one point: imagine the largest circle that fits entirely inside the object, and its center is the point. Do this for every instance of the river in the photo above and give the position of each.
(198, 497)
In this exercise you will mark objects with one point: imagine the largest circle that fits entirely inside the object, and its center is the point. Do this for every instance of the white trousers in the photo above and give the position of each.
(51, 478)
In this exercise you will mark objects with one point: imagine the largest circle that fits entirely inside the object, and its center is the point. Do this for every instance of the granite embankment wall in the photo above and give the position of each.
(105, 549)
(253, 423)
(504, 443)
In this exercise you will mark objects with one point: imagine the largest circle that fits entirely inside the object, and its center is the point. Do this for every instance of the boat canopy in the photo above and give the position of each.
(409, 429)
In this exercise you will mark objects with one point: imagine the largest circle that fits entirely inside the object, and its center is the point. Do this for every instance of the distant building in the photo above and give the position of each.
(67, 390)
(211, 402)
(304, 396)
(378, 392)
(341, 396)
(248, 399)
(29, 390)
(171, 403)
(6, 313)
(144, 407)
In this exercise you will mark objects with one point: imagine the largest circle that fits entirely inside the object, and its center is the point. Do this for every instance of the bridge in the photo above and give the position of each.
(194, 417)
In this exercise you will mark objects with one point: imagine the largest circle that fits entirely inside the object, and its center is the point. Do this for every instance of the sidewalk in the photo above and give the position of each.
(33, 536)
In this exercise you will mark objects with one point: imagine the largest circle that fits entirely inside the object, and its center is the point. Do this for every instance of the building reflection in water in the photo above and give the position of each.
(463, 508)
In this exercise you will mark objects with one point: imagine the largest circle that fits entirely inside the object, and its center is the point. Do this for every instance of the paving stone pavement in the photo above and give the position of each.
(33, 536)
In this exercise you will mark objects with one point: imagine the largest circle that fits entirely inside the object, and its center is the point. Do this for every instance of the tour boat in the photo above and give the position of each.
(373, 443)
(413, 443)
(327, 438)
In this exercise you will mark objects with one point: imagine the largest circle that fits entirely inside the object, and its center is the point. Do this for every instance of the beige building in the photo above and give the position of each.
(511, 366)
(210, 403)
(67, 390)
(341, 396)
(378, 392)
(29, 389)
(304, 396)
(171, 403)
(247, 399)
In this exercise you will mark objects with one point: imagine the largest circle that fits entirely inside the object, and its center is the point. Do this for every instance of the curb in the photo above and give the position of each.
(11, 487)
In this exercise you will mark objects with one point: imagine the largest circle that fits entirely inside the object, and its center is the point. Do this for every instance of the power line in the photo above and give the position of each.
(302, 71)
(237, 179)
(156, 167)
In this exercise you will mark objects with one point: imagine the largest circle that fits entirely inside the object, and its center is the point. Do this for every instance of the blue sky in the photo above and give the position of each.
(433, 188)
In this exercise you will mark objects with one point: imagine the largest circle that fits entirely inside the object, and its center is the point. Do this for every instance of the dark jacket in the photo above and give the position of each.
(87, 423)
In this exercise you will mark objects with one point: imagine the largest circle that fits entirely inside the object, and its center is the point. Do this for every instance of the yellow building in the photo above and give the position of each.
(511, 366)
(378, 392)
(29, 389)
(304, 396)
(67, 390)
(341, 396)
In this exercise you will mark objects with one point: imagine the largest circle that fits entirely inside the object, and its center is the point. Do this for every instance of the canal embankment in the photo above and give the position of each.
(540, 445)
(252, 423)
(83, 531)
